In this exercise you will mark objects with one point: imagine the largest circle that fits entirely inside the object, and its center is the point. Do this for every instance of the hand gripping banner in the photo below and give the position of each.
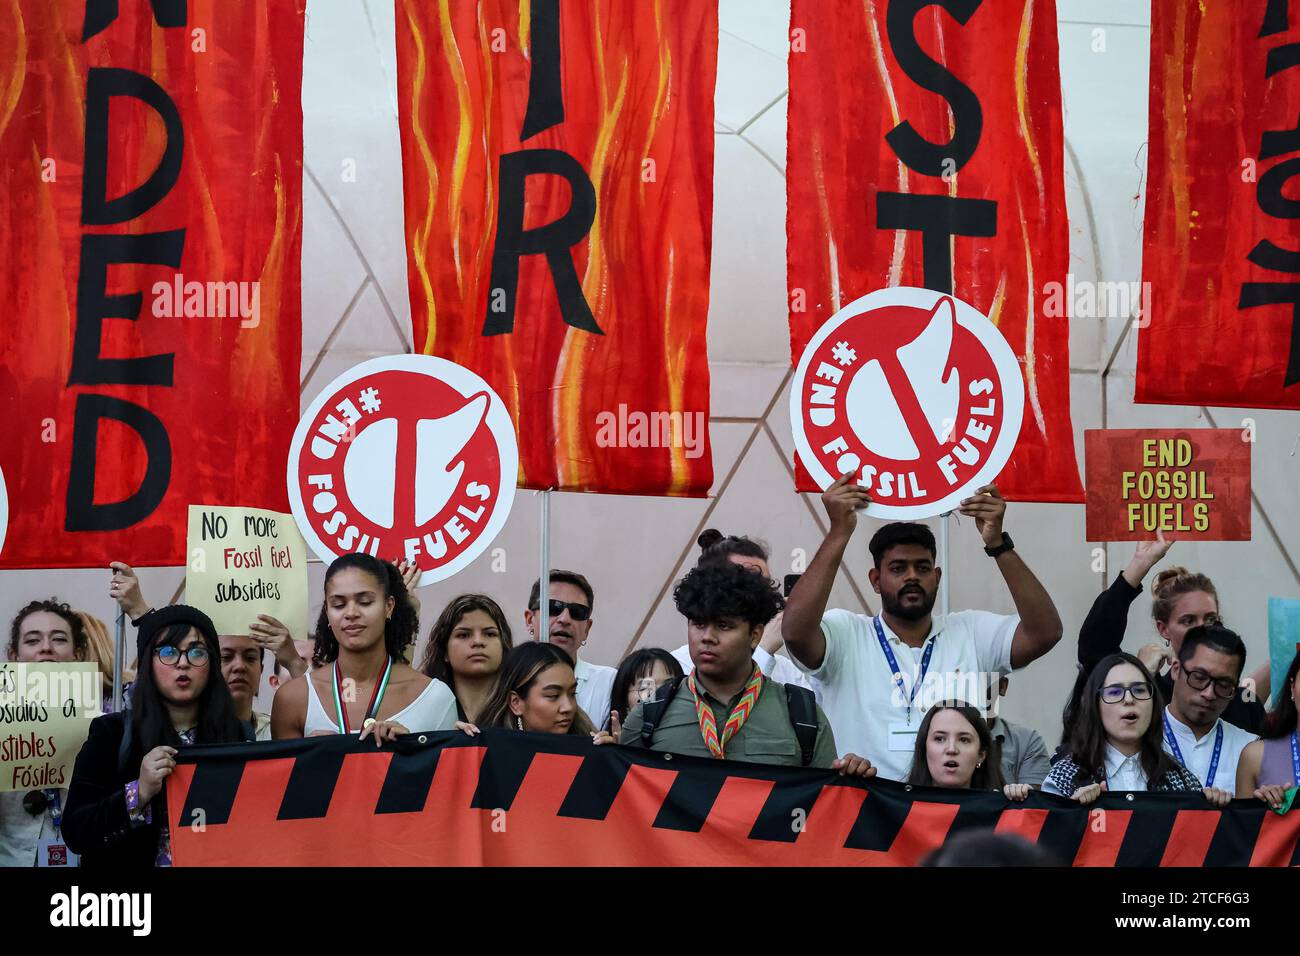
(926, 149)
(558, 165)
(151, 218)
(507, 798)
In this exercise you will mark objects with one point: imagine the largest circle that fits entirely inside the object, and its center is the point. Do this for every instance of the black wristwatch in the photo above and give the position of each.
(1006, 545)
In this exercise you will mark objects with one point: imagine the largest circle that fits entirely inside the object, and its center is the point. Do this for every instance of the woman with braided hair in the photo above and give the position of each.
(360, 681)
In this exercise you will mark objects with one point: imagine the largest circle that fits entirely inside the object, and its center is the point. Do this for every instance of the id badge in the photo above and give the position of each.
(902, 735)
(55, 853)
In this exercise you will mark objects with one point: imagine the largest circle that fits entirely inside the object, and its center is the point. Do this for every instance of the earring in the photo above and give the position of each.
(519, 722)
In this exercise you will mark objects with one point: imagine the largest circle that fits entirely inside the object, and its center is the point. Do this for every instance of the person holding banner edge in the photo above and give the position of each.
(1269, 768)
(242, 655)
(31, 821)
(365, 625)
(874, 709)
(117, 814)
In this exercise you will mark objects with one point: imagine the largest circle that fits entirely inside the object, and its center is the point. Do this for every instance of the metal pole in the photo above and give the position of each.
(119, 650)
(544, 579)
(943, 563)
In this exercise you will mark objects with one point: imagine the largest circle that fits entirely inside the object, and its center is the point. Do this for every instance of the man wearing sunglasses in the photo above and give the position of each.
(571, 604)
(1205, 677)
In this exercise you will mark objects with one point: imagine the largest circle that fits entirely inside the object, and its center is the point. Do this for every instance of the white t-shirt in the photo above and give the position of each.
(869, 713)
(595, 684)
(1197, 754)
(776, 666)
(434, 709)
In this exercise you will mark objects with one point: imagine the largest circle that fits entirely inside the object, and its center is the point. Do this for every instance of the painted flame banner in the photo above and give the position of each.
(558, 169)
(926, 149)
(506, 798)
(151, 215)
(1222, 220)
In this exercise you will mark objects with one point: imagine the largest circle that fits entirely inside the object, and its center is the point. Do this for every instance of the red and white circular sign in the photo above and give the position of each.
(916, 392)
(404, 456)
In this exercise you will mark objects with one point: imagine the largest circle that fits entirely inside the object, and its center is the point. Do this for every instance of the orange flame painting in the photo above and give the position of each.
(151, 217)
(928, 151)
(558, 170)
(1219, 252)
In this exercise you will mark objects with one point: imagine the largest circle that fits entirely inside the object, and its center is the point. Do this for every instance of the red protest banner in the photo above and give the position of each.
(961, 190)
(151, 212)
(558, 170)
(506, 798)
(1218, 253)
(1192, 484)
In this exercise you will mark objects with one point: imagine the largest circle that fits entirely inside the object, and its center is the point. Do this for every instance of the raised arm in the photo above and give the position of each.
(802, 624)
(1040, 626)
(1102, 631)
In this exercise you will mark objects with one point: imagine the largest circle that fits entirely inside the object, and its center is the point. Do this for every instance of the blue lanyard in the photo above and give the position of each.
(898, 674)
(1295, 759)
(1218, 749)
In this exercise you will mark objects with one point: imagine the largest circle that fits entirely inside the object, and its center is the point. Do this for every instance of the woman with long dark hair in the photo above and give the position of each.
(955, 750)
(1270, 766)
(468, 642)
(117, 813)
(360, 680)
(537, 691)
(1116, 744)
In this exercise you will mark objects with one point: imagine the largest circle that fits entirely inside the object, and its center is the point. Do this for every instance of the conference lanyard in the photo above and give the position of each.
(1214, 758)
(898, 674)
(1295, 759)
(376, 697)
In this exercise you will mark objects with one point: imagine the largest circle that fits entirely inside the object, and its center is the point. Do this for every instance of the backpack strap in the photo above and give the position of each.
(803, 718)
(652, 711)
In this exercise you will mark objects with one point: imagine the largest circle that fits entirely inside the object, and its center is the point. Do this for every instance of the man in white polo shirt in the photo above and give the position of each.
(879, 675)
(1205, 677)
(571, 604)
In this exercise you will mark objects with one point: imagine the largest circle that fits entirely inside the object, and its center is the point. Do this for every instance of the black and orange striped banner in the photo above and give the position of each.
(151, 221)
(926, 149)
(1222, 221)
(558, 170)
(507, 798)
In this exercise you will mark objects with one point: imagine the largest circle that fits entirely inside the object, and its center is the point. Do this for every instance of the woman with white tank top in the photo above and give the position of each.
(359, 682)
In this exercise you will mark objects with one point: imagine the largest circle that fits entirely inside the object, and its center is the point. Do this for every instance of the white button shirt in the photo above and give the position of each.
(1123, 775)
(861, 698)
(1197, 754)
(595, 684)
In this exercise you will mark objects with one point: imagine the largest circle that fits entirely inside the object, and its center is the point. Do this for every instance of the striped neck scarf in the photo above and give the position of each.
(739, 714)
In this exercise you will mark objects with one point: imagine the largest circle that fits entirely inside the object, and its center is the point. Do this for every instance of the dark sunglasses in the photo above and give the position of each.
(579, 612)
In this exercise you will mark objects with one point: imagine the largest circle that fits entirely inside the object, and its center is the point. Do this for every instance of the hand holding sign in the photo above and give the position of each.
(124, 588)
(271, 634)
(988, 508)
(842, 501)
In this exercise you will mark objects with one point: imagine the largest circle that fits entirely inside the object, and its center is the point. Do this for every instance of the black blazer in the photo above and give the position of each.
(95, 821)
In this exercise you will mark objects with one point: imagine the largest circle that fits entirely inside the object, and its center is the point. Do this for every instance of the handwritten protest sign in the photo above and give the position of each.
(244, 562)
(1192, 484)
(45, 715)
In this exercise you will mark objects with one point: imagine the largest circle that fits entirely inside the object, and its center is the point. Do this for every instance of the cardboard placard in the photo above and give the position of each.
(45, 715)
(244, 562)
(1192, 484)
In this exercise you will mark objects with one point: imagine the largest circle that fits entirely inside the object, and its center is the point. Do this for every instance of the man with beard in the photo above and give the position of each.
(1210, 661)
(572, 600)
(879, 675)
